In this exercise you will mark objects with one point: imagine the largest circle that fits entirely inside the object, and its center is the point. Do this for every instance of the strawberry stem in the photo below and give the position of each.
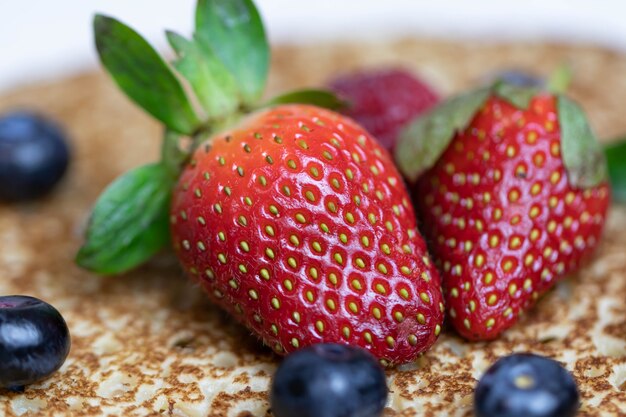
(172, 155)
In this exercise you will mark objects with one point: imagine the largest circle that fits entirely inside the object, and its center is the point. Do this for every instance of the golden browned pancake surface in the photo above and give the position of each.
(149, 343)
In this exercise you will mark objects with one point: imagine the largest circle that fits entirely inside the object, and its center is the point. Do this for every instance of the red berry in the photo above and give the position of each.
(298, 224)
(384, 101)
(293, 219)
(503, 220)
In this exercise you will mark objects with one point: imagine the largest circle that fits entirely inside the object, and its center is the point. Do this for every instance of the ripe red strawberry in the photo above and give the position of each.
(294, 219)
(298, 224)
(384, 100)
(514, 203)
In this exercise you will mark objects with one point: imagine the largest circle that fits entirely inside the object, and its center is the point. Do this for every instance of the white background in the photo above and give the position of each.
(42, 39)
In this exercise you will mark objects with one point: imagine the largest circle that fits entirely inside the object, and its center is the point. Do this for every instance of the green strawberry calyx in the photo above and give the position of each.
(217, 76)
(424, 140)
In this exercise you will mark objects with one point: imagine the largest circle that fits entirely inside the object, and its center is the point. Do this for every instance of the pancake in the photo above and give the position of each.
(149, 343)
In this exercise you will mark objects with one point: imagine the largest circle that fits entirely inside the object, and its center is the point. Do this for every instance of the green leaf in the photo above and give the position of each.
(213, 85)
(233, 31)
(583, 156)
(320, 98)
(129, 223)
(141, 73)
(422, 142)
(520, 97)
(616, 160)
(560, 79)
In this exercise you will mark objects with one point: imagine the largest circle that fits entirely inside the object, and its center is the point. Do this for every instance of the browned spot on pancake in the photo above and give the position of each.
(617, 330)
(243, 379)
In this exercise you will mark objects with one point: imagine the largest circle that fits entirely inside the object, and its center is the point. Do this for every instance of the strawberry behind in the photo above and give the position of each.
(384, 100)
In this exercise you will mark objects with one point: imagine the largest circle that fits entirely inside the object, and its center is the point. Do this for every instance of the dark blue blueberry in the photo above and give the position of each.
(329, 380)
(520, 78)
(526, 385)
(33, 156)
(34, 341)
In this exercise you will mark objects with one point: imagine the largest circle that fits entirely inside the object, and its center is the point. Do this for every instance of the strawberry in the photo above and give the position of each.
(298, 224)
(510, 203)
(292, 218)
(384, 100)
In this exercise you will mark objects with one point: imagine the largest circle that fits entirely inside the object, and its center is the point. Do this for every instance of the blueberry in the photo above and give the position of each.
(33, 156)
(526, 385)
(329, 380)
(34, 341)
(519, 78)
